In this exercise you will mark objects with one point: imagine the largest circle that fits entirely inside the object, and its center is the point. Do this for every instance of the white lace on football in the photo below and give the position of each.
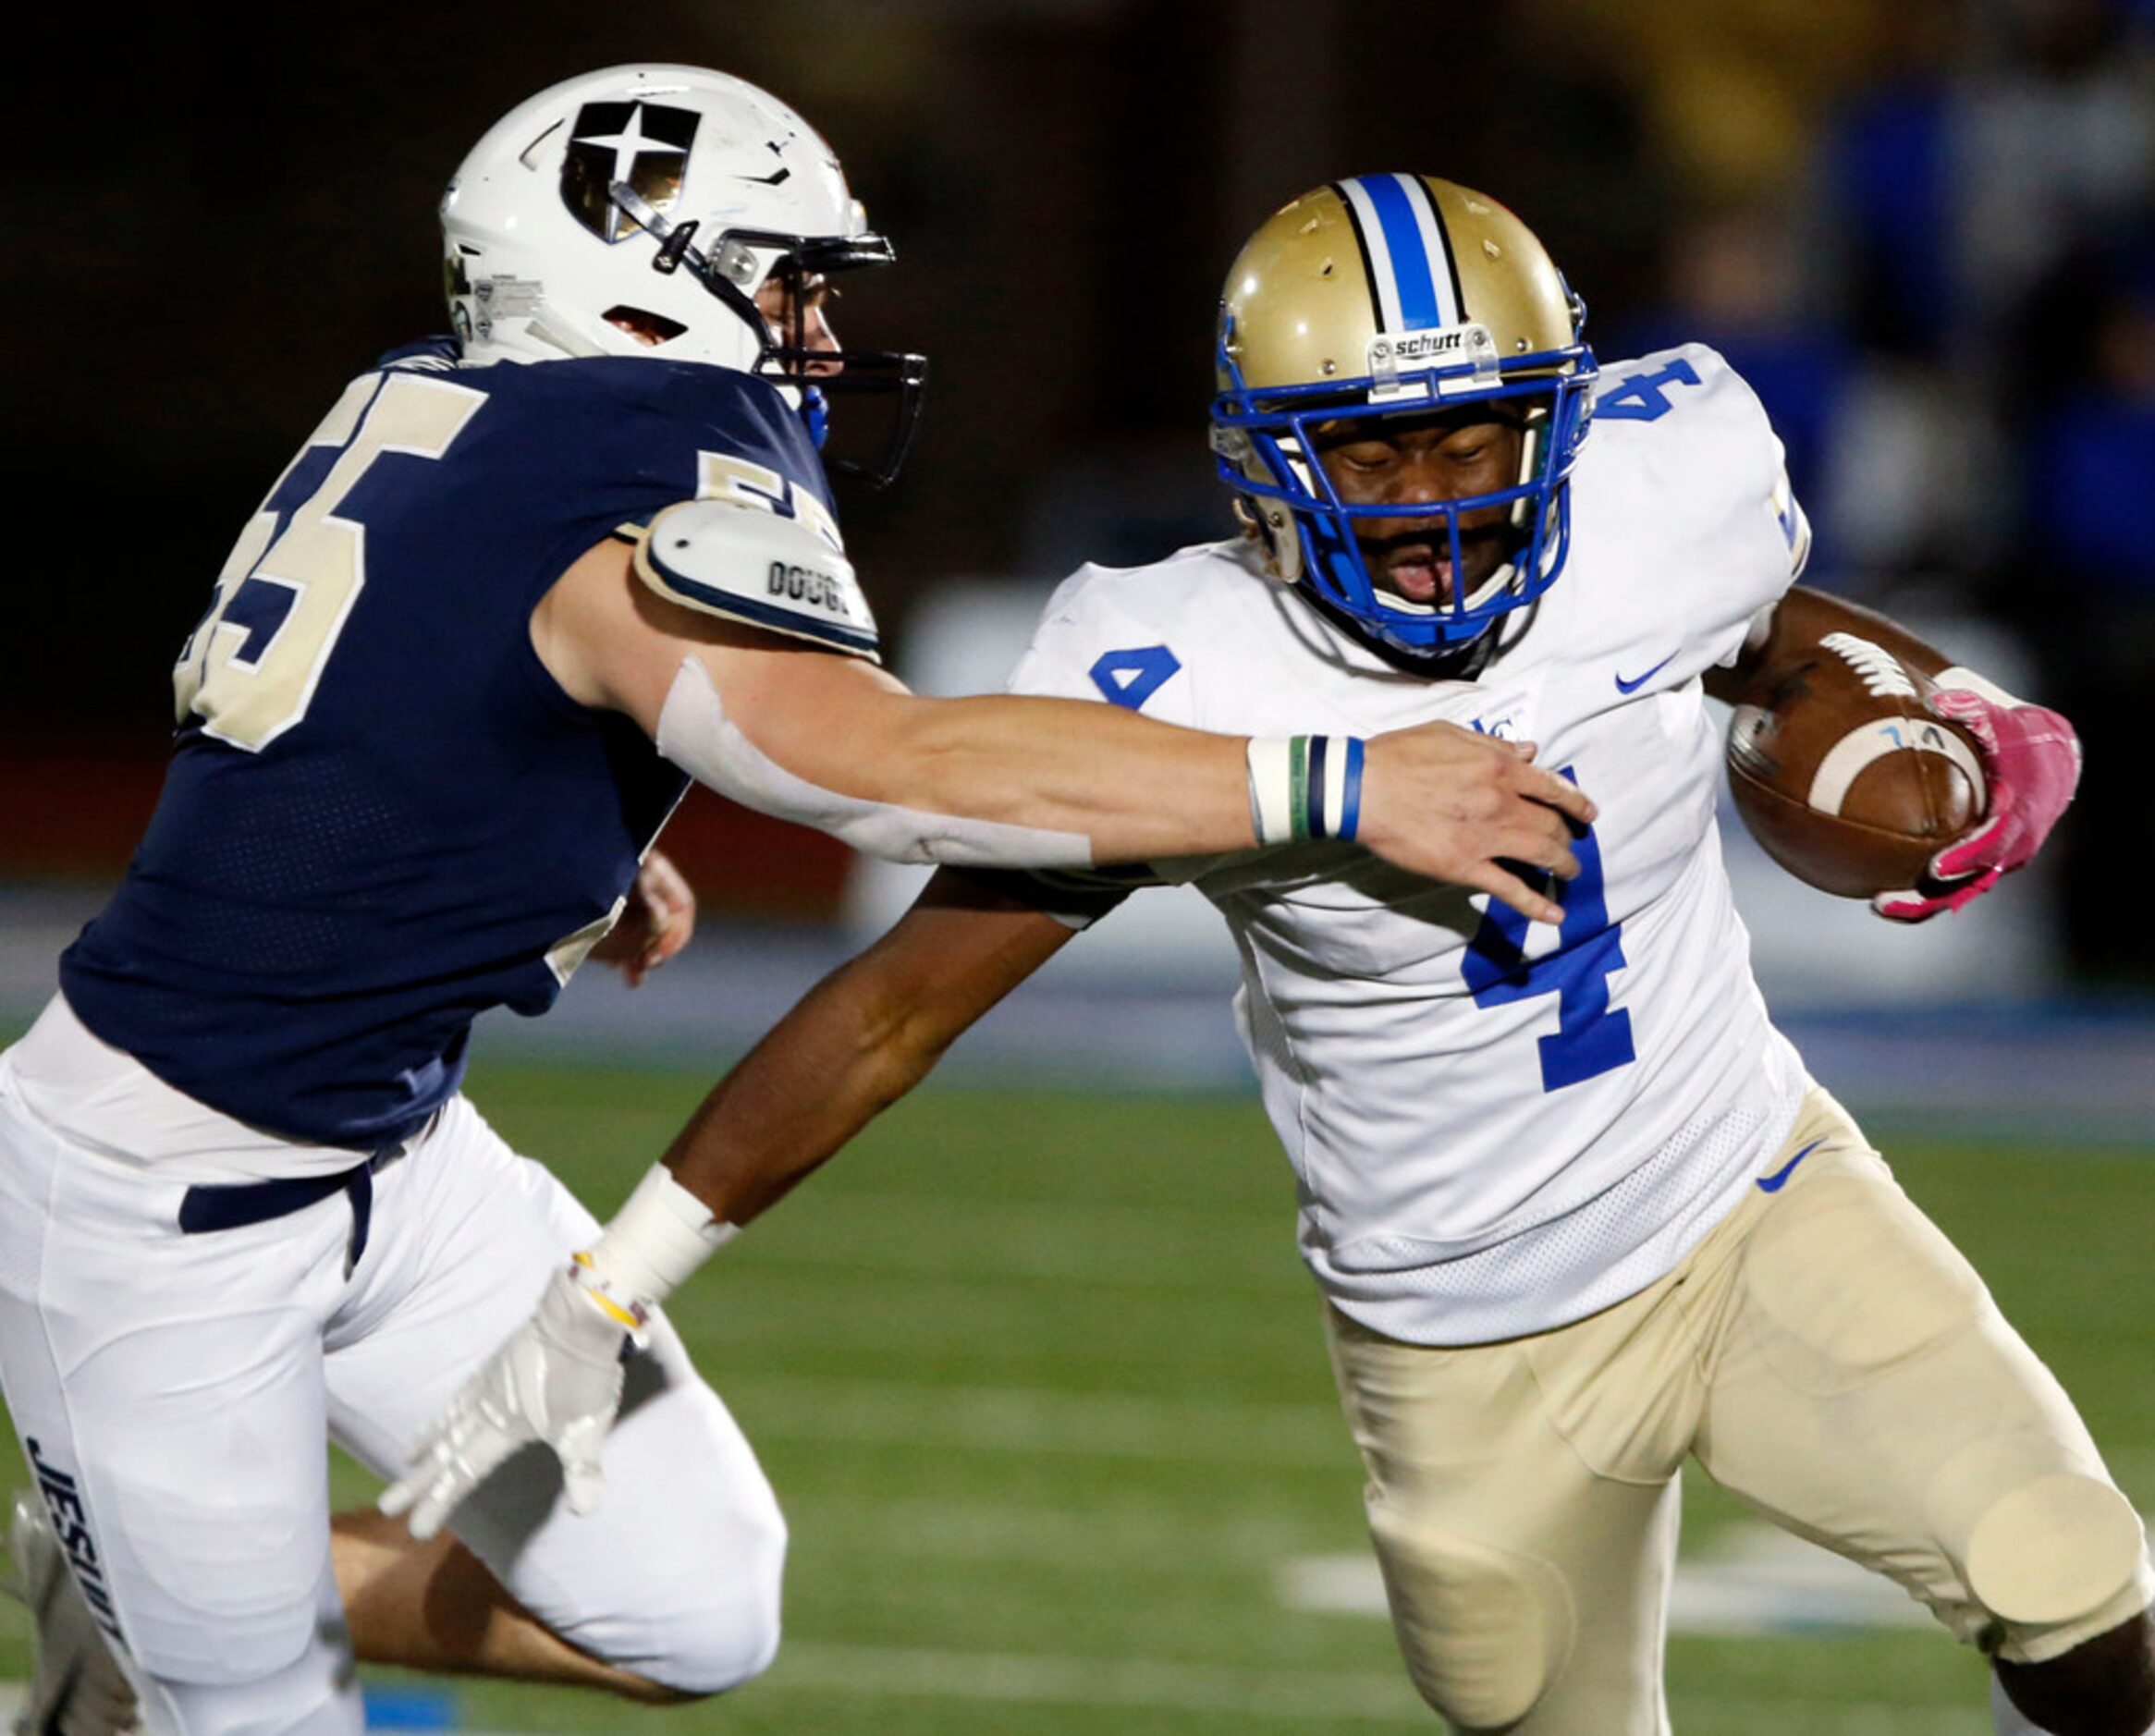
(1879, 670)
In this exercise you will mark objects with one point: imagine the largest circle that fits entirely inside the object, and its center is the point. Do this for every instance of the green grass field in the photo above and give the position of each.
(1042, 1387)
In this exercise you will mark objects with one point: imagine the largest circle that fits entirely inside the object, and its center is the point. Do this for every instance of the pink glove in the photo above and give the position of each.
(2032, 760)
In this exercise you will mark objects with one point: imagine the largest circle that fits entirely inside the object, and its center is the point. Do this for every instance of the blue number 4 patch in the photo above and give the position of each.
(1590, 1039)
(1643, 396)
(1130, 677)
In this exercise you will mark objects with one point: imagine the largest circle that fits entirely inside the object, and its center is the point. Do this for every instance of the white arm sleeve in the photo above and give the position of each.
(696, 735)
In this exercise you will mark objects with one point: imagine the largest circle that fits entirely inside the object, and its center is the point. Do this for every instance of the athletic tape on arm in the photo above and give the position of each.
(661, 1234)
(696, 735)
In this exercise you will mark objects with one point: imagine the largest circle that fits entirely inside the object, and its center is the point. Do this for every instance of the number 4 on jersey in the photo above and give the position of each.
(1590, 1038)
(1642, 396)
(1130, 677)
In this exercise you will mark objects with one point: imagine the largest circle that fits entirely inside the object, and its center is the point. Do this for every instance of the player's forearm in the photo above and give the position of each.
(1136, 790)
(829, 1067)
(860, 1040)
(825, 1069)
(1801, 622)
(994, 781)
(1008, 782)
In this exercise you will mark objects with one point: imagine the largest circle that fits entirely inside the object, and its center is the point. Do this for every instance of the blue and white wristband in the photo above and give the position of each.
(1306, 787)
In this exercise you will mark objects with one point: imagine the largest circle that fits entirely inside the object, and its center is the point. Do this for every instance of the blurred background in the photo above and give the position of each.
(1037, 1375)
(1920, 227)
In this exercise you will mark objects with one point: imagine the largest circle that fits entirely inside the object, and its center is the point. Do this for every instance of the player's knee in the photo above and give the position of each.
(2054, 1551)
(315, 1693)
(2049, 1549)
(720, 1627)
(1484, 1629)
(731, 1643)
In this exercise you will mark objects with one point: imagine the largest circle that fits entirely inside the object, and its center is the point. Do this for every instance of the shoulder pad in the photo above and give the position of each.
(1684, 413)
(1680, 392)
(1139, 636)
(748, 564)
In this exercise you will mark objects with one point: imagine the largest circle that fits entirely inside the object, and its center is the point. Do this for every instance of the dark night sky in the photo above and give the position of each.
(214, 226)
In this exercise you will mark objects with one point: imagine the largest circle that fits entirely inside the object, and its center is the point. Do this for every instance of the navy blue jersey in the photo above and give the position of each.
(383, 815)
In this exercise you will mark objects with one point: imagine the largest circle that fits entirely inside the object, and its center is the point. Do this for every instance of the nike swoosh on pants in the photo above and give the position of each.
(1774, 1182)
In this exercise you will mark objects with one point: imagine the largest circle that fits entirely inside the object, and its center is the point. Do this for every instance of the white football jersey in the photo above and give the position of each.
(1498, 1128)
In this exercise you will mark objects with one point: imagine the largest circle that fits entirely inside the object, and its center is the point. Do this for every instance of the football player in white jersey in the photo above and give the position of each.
(516, 590)
(1577, 1208)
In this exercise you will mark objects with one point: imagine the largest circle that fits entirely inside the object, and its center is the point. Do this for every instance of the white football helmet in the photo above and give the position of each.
(665, 196)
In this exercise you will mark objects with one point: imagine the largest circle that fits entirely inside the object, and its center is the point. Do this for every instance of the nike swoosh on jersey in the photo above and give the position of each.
(1779, 1178)
(1636, 682)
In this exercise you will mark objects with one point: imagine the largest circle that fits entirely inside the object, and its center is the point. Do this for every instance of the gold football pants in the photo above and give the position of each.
(1827, 1355)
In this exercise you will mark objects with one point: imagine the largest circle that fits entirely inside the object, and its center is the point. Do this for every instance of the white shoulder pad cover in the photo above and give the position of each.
(1684, 468)
(695, 733)
(750, 564)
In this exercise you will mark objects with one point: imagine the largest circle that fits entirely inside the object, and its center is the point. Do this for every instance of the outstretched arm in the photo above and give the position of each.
(859, 1041)
(2031, 757)
(1006, 781)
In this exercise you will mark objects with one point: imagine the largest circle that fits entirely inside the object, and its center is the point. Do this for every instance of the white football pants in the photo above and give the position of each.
(175, 1392)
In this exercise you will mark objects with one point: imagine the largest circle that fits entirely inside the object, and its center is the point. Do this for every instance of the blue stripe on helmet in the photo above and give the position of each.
(1402, 239)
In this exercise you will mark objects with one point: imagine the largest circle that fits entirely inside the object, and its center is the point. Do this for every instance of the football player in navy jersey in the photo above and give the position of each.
(516, 589)
(1577, 1208)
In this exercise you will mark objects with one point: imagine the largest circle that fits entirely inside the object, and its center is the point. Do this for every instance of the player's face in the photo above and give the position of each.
(1426, 458)
(799, 316)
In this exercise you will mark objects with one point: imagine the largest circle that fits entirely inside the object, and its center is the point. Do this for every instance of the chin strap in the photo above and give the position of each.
(1432, 663)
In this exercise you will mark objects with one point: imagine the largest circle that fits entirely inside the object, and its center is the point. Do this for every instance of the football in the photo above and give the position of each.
(1845, 778)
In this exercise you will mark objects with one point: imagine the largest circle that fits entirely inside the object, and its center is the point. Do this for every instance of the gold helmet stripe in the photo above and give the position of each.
(1408, 254)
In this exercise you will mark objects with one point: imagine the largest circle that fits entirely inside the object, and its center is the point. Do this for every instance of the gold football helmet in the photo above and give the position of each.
(1396, 296)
